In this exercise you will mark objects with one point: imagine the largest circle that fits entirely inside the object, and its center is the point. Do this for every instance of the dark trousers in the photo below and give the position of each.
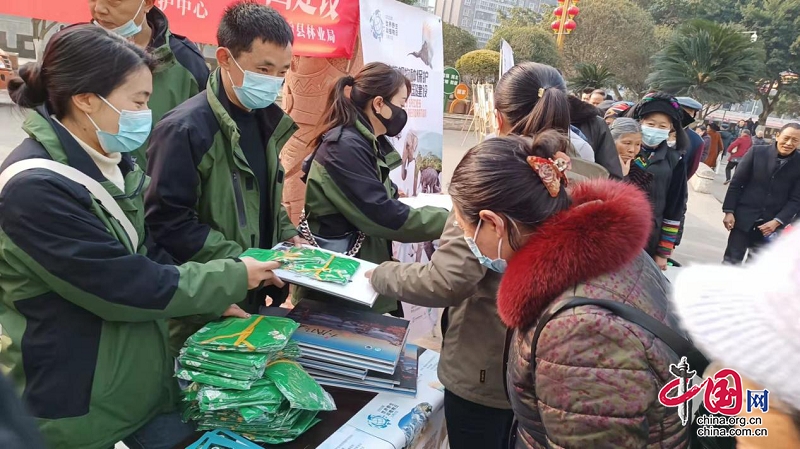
(729, 169)
(475, 426)
(739, 242)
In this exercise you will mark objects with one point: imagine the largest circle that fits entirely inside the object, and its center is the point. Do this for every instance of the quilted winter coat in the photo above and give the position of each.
(597, 376)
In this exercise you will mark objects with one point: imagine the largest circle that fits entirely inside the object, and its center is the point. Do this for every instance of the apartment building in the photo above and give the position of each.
(482, 17)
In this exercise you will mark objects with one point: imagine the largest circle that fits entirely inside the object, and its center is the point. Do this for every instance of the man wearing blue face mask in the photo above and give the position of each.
(182, 71)
(217, 180)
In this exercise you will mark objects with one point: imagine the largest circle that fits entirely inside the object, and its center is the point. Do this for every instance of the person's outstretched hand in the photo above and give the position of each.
(260, 273)
(235, 311)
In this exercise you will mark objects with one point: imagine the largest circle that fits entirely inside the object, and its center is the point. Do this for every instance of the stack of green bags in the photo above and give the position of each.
(244, 378)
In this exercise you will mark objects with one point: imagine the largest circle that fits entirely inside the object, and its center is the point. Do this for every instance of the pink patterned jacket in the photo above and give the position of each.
(597, 376)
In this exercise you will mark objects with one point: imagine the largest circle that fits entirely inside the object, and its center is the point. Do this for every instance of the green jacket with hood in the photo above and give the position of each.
(84, 312)
(349, 189)
(204, 201)
(180, 74)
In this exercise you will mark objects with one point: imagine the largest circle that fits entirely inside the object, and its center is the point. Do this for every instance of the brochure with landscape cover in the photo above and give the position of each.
(351, 334)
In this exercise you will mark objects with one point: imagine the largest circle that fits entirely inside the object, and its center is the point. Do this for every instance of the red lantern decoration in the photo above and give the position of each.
(555, 25)
(558, 12)
(573, 11)
(569, 26)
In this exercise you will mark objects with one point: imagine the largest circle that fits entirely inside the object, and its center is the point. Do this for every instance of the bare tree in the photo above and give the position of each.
(40, 30)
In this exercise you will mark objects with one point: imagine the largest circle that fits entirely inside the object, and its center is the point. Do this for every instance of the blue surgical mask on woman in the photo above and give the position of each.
(130, 28)
(499, 265)
(652, 137)
(258, 90)
(134, 129)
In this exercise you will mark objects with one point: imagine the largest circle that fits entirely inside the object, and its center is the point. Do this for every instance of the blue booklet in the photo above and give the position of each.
(351, 334)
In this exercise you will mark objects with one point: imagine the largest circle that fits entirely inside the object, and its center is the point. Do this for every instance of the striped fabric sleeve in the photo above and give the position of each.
(669, 233)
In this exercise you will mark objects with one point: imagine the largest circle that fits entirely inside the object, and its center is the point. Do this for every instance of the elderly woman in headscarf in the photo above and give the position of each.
(659, 114)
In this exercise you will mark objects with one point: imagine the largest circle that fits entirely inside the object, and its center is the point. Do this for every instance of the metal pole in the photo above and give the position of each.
(561, 29)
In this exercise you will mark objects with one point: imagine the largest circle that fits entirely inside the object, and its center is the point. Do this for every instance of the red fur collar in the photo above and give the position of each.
(589, 239)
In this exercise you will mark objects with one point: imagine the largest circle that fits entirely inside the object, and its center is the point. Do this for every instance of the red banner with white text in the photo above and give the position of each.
(322, 28)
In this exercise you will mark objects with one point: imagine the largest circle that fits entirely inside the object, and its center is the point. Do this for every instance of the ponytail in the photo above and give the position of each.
(375, 79)
(551, 111)
(533, 97)
(339, 110)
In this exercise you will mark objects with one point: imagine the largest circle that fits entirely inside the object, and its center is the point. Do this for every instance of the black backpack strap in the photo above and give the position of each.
(678, 343)
(682, 346)
(506, 350)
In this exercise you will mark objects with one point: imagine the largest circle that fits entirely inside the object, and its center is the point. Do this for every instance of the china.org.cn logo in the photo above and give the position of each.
(723, 392)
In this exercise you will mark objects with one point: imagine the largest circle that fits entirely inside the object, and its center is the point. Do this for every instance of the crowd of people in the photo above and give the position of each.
(145, 176)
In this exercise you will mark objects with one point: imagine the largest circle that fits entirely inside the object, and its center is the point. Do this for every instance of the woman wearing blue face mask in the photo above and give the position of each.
(659, 114)
(84, 293)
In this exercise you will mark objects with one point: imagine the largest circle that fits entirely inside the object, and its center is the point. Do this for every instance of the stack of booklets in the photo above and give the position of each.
(355, 349)
(244, 378)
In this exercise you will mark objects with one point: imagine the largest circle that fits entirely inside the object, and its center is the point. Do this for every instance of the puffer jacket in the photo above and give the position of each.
(597, 376)
(180, 74)
(588, 119)
(471, 365)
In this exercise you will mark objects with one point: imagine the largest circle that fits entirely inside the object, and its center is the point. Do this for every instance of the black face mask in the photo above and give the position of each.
(396, 123)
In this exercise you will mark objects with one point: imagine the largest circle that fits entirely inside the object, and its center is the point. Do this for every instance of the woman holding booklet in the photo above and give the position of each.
(84, 292)
(530, 98)
(351, 203)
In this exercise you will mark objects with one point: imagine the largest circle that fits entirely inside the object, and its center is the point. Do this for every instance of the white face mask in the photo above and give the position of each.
(129, 29)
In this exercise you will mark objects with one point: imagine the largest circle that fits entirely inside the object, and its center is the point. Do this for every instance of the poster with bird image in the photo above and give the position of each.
(410, 39)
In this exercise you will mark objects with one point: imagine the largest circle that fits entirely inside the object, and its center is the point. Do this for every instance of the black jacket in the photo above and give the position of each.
(727, 139)
(668, 190)
(761, 190)
(586, 118)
